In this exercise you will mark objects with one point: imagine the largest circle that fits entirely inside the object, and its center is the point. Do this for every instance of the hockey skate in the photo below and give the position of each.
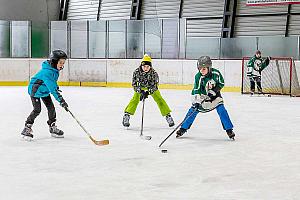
(170, 120)
(230, 134)
(55, 132)
(180, 132)
(126, 118)
(27, 132)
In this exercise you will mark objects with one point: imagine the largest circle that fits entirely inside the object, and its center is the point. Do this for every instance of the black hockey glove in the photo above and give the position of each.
(211, 94)
(58, 90)
(196, 105)
(144, 95)
(64, 104)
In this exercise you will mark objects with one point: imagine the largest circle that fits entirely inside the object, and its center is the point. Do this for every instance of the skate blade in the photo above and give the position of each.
(27, 138)
(171, 125)
(146, 137)
(57, 136)
(126, 125)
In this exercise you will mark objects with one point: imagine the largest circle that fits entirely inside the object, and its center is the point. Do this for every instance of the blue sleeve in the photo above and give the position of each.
(52, 86)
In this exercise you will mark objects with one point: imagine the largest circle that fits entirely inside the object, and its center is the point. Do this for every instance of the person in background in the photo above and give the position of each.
(254, 68)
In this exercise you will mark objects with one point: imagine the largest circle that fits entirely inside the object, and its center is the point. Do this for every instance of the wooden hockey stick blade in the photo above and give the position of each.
(99, 142)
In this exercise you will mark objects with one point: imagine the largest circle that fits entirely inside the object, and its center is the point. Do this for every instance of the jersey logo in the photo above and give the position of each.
(210, 85)
(257, 64)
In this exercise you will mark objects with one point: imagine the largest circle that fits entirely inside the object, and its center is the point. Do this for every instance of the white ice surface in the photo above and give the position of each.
(263, 162)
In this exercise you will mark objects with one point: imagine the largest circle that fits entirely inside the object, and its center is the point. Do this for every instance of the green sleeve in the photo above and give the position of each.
(196, 84)
(218, 78)
(220, 83)
(251, 62)
(250, 67)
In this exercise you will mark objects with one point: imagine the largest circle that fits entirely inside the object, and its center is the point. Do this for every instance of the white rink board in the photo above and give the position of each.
(121, 70)
(169, 71)
(232, 73)
(87, 70)
(14, 70)
(36, 64)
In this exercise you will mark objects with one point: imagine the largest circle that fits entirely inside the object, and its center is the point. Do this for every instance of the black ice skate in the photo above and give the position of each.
(27, 132)
(180, 132)
(170, 120)
(55, 132)
(126, 118)
(230, 134)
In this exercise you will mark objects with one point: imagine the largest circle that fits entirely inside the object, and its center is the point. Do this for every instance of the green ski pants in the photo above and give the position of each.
(162, 105)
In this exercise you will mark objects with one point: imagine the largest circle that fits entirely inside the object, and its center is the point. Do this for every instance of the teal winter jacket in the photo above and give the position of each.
(45, 82)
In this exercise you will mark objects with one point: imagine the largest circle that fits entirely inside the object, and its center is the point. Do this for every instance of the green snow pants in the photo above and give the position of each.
(162, 105)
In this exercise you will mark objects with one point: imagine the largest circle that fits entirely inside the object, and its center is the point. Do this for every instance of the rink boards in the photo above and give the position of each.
(173, 74)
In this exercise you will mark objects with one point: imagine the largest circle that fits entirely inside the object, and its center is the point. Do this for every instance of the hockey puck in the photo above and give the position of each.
(164, 151)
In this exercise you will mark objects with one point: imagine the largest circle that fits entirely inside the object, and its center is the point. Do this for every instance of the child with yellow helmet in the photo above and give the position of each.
(145, 82)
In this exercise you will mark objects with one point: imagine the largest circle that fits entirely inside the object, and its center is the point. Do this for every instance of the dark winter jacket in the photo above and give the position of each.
(147, 80)
(45, 82)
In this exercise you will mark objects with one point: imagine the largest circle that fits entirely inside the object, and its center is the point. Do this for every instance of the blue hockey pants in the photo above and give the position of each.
(222, 112)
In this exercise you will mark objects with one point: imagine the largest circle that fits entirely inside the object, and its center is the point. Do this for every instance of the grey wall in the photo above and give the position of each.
(31, 10)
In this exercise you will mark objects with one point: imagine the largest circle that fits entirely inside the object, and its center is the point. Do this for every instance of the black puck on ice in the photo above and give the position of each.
(164, 151)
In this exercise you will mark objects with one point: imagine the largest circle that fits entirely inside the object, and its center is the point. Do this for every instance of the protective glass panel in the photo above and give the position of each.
(197, 47)
(182, 36)
(278, 46)
(170, 38)
(97, 39)
(4, 39)
(59, 35)
(78, 39)
(135, 39)
(237, 47)
(153, 37)
(39, 40)
(20, 39)
(116, 39)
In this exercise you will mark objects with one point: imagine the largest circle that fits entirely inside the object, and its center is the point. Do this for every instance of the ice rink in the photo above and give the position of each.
(262, 164)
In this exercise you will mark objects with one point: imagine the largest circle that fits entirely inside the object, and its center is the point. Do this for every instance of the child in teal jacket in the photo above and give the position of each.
(40, 87)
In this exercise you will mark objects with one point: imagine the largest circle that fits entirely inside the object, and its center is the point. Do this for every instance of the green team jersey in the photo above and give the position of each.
(256, 65)
(212, 81)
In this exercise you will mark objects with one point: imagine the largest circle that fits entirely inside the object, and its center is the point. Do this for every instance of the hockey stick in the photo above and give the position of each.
(96, 142)
(146, 137)
(177, 127)
(181, 123)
